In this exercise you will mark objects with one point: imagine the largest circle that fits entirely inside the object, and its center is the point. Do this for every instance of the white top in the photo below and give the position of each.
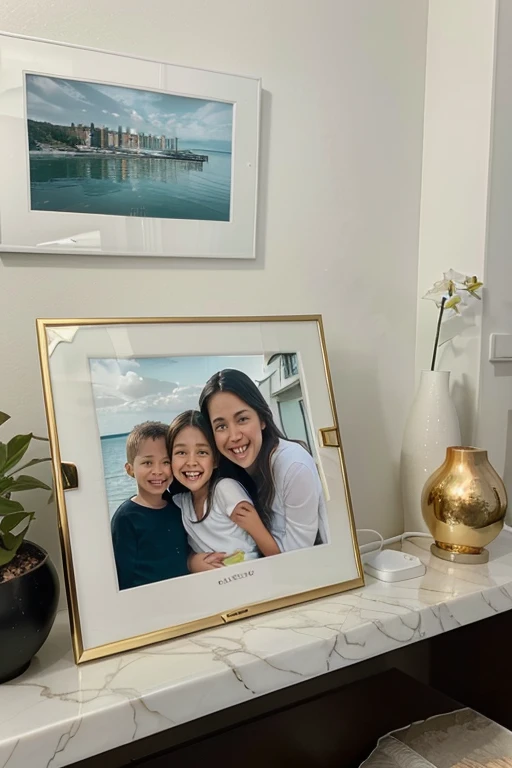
(299, 506)
(217, 533)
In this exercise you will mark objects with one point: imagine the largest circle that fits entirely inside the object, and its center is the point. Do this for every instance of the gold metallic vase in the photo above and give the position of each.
(464, 504)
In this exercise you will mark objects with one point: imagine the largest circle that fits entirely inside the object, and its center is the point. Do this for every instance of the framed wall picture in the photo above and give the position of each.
(198, 471)
(114, 155)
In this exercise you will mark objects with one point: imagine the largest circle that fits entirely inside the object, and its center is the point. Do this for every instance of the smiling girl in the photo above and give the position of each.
(217, 513)
(289, 492)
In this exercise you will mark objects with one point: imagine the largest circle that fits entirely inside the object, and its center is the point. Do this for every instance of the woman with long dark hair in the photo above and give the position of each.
(289, 496)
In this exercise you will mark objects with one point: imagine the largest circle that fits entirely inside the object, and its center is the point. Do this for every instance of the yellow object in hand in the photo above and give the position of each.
(237, 557)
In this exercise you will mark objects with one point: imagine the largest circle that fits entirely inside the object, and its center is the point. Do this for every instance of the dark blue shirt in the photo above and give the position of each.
(149, 544)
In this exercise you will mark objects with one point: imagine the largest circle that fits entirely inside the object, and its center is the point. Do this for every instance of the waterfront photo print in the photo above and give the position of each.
(113, 155)
(106, 149)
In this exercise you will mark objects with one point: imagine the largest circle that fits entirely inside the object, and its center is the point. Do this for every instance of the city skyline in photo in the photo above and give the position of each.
(62, 101)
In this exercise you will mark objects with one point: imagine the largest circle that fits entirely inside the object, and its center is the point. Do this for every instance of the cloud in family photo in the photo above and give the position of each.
(127, 391)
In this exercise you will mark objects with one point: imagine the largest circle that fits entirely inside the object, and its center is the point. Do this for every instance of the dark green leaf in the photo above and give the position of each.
(7, 553)
(3, 456)
(7, 524)
(28, 464)
(3, 417)
(7, 506)
(11, 541)
(27, 483)
(16, 449)
(5, 484)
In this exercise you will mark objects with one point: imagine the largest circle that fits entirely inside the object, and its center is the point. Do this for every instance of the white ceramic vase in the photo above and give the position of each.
(432, 426)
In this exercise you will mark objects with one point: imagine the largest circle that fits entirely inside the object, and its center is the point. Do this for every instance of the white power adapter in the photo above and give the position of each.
(392, 565)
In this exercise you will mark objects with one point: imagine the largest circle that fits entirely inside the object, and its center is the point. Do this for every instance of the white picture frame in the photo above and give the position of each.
(105, 618)
(119, 189)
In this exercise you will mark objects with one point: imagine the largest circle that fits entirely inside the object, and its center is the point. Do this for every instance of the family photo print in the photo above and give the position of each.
(115, 155)
(209, 472)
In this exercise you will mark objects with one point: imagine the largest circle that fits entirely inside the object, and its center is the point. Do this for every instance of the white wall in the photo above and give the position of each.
(495, 411)
(455, 180)
(338, 229)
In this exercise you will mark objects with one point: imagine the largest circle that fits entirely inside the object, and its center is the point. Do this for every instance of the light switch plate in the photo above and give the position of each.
(500, 348)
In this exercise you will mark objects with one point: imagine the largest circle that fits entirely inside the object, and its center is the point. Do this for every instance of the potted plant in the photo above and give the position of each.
(29, 587)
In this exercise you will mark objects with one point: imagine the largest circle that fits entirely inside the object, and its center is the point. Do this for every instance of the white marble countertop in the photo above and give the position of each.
(57, 713)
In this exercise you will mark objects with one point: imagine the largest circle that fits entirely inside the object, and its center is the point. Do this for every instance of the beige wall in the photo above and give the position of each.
(341, 157)
(495, 405)
(455, 182)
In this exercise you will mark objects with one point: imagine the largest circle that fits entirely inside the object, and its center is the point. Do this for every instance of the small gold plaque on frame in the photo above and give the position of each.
(69, 475)
(330, 437)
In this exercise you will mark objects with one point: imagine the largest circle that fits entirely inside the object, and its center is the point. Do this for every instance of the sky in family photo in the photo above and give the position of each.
(62, 101)
(127, 392)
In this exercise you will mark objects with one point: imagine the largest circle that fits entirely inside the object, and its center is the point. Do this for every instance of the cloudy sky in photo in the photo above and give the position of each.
(60, 101)
(127, 392)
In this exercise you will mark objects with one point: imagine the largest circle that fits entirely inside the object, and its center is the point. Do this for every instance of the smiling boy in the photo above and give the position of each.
(149, 539)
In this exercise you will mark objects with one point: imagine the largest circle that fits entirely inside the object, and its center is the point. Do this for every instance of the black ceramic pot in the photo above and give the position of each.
(28, 605)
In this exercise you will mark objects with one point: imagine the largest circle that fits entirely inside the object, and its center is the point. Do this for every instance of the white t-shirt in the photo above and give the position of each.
(299, 508)
(218, 533)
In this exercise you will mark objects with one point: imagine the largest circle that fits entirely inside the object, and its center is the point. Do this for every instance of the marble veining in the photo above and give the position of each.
(58, 713)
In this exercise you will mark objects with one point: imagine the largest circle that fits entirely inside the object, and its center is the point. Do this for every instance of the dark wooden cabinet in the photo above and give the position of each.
(473, 663)
(337, 729)
(336, 719)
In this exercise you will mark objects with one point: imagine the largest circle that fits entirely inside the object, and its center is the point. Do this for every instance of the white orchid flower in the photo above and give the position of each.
(445, 294)
(469, 283)
(451, 293)
(454, 288)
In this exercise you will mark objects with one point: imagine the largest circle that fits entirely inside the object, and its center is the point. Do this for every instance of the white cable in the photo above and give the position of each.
(372, 543)
(386, 542)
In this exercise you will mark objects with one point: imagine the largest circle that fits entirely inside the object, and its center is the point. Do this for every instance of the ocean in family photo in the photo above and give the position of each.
(118, 484)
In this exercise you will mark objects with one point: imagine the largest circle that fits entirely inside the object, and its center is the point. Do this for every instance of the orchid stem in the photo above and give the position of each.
(436, 342)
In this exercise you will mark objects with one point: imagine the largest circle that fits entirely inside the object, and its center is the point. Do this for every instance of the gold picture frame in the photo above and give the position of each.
(273, 330)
